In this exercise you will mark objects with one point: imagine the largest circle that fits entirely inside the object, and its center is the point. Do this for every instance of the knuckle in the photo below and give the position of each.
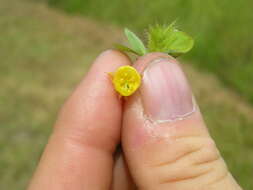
(197, 160)
(189, 149)
(207, 154)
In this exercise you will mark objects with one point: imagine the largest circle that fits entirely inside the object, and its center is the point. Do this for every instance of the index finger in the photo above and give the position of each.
(79, 154)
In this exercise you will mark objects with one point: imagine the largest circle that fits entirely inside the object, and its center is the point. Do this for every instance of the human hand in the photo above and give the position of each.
(165, 142)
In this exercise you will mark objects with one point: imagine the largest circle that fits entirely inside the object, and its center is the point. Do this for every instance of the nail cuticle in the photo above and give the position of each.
(176, 118)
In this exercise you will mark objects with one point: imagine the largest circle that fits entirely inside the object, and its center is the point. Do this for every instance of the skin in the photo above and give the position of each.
(82, 150)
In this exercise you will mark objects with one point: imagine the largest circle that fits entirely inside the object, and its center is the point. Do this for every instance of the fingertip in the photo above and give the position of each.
(96, 84)
(95, 97)
(112, 59)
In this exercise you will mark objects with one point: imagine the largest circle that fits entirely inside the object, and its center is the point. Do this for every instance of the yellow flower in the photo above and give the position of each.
(126, 80)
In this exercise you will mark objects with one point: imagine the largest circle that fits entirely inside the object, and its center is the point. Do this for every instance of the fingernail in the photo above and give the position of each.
(165, 92)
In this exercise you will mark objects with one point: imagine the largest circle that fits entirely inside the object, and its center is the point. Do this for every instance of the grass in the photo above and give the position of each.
(222, 30)
(44, 53)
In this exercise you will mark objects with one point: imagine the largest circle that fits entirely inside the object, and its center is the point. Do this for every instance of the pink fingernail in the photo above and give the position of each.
(165, 92)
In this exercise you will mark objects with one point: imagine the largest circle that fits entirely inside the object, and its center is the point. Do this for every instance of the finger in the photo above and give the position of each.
(79, 152)
(166, 143)
(121, 177)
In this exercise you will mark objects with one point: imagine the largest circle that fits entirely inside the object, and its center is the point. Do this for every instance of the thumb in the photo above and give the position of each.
(166, 142)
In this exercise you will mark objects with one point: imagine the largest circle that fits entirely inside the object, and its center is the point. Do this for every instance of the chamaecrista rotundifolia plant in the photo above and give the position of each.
(160, 38)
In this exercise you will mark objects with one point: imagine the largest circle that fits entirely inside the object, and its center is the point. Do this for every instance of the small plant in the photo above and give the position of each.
(160, 38)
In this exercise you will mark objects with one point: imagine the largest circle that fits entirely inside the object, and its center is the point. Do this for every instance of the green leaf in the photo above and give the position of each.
(135, 43)
(169, 40)
(125, 49)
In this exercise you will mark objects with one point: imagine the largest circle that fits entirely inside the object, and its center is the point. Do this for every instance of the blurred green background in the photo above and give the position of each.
(46, 47)
(222, 30)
